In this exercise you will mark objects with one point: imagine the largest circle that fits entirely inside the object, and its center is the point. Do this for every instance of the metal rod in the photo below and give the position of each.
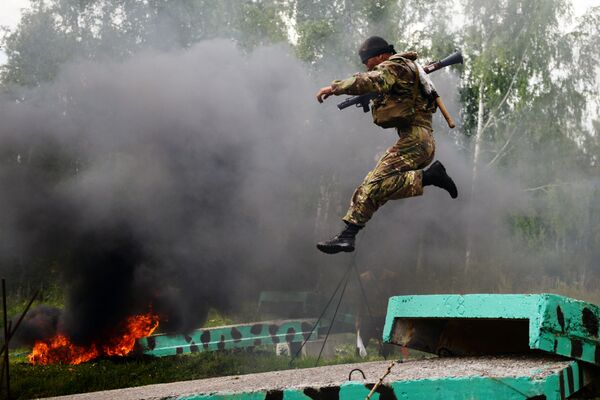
(2, 364)
(1, 377)
(12, 331)
(6, 338)
(389, 369)
(356, 369)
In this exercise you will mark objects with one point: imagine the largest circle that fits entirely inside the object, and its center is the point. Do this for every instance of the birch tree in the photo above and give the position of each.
(514, 47)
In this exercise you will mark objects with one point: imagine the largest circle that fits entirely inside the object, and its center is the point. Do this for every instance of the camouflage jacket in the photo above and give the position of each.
(395, 78)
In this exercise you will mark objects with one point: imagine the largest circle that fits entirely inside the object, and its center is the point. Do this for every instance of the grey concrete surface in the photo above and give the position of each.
(496, 367)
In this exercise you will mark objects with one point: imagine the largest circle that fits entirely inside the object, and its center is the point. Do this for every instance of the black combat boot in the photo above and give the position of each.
(436, 175)
(344, 241)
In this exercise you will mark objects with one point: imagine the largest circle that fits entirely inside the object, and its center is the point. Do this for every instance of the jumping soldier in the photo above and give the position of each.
(403, 105)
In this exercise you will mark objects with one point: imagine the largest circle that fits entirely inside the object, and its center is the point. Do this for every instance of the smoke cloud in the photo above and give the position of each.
(193, 179)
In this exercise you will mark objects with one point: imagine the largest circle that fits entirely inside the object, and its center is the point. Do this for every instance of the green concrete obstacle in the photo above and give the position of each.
(477, 324)
(536, 377)
(554, 386)
(297, 305)
(516, 347)
(229, 337)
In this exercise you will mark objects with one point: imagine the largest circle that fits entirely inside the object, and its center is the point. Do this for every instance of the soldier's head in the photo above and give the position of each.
(374, 51)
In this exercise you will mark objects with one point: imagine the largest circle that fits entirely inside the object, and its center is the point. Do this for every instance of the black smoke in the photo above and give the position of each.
(193, 179)
(167, 182)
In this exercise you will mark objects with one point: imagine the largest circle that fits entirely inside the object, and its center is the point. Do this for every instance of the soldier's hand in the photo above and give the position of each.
(324, 93)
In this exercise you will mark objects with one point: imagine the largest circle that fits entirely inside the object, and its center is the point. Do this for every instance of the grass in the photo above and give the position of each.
(51, 296)
(30, 381)
(214, 318)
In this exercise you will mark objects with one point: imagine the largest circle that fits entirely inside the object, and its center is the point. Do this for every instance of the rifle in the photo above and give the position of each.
(364, 99)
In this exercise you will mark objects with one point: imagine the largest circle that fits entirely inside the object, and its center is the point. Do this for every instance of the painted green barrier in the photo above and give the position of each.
(229, 337)
(536, 331)
(495, 323)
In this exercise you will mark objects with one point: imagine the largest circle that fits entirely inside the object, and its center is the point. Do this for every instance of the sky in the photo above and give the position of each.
(10, 13)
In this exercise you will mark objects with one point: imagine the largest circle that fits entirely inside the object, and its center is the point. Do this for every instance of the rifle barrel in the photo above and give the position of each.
(347, 103)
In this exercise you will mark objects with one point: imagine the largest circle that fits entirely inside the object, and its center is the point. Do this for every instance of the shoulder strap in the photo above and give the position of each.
(416, 85)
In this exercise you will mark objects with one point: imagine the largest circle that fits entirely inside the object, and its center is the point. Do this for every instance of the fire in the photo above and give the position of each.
(60, 350)
(138, 326)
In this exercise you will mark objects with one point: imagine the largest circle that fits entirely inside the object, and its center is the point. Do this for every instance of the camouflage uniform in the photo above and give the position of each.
(398, 174)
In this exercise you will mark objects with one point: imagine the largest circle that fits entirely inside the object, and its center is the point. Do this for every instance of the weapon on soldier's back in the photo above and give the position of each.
(454, 58)
(363, 100)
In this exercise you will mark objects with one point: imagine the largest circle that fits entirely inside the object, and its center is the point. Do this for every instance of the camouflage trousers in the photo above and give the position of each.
(397, 175)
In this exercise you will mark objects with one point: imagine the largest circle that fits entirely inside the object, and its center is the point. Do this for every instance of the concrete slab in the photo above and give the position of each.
(478, 324)
(515, 377)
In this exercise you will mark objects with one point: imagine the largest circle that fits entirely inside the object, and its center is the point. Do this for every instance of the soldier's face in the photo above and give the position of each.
(372, 63)
(375, 61)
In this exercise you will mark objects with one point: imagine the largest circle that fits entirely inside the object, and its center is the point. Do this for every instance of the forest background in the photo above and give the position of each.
(527, 98)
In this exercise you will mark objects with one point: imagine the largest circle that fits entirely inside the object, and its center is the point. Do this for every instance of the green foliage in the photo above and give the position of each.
(214, 318)
(261, 24)
(314, 37)
(531, 83)
(57, 31)
(513, 47)
(333, 32)
(426, 27)
(36, 50)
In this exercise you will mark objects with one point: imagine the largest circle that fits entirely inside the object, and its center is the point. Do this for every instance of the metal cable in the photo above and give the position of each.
(344, 278)
(364, 295)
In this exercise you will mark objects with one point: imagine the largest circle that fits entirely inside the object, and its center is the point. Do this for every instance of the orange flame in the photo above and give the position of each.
(60, 350)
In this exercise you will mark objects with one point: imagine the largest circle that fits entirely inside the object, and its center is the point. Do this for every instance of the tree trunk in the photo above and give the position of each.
(475, 171)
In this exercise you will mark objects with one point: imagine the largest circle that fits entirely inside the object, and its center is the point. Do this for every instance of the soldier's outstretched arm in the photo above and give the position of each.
(360, 83)
(380, 80)
(324, 93)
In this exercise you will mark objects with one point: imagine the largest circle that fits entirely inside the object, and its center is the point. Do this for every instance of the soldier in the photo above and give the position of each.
(404, 106)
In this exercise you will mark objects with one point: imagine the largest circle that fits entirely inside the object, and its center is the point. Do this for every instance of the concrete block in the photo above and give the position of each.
(487, 324)
(228, 337)
(508, 378)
